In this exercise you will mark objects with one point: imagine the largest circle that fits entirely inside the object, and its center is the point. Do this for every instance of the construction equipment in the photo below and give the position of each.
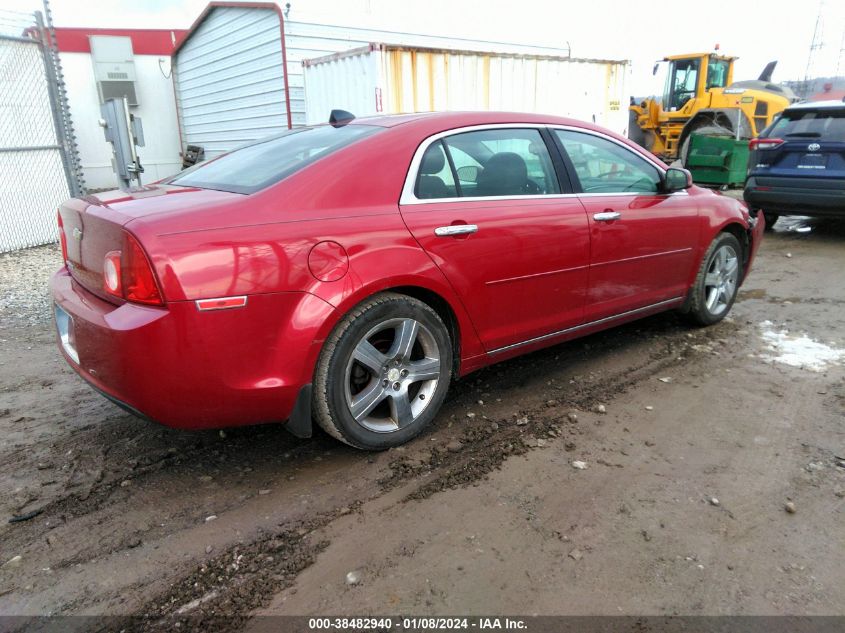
(700, 96)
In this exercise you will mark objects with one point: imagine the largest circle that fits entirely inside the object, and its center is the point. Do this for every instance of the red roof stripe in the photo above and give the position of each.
(144, 41)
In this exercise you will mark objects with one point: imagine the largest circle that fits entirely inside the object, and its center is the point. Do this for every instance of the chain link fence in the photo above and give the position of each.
(38, 159)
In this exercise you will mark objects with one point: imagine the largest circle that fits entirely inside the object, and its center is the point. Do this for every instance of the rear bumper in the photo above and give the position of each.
(190, 369)
(796, 196)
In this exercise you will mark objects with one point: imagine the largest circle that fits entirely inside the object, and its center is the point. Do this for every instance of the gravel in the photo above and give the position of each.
(24, 275)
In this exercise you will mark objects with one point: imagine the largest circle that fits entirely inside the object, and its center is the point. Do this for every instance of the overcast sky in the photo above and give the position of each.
(755, 31)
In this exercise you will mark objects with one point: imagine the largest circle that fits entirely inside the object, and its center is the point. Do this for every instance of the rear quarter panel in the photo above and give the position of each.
(261, 243)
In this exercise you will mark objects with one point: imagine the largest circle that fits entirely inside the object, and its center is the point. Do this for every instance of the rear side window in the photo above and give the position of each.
(258, 165)
(435, 179)
(828, 124)
(487, 163)
(502, 162)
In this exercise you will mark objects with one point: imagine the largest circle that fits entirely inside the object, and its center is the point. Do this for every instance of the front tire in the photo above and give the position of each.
(717, 282)
(383, 373)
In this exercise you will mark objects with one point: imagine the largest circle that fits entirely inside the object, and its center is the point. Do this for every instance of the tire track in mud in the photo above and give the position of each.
(219, 595)
(485, 444)
(107, 486)
(485, 447)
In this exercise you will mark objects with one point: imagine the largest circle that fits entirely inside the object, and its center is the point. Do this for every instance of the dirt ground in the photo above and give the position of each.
(705, 436)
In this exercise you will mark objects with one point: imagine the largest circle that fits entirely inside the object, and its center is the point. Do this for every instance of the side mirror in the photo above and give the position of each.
(676, 180)
(654, 70)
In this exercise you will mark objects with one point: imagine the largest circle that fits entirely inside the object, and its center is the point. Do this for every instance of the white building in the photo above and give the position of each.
(125, 61)
(239, 74)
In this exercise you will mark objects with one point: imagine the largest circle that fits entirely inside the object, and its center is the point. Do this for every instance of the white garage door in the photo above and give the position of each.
(230, 80)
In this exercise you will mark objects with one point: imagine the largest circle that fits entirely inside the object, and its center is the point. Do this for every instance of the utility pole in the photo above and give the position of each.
(815, 47)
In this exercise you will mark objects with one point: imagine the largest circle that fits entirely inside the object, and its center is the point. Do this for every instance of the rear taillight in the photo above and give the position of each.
(62, 238)
(139, 282)
(129, 275)
(111, 274)
(764, 143)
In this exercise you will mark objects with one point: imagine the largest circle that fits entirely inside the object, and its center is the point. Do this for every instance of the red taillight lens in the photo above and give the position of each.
(139, 283)
(129, 275)
(764, 143)
(111, 274)
(62, 238)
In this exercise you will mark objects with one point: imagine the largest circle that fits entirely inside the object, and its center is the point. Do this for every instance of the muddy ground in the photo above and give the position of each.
(706, 436)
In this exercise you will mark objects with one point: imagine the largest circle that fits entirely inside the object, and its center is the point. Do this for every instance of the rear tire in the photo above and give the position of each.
(702, 127)
(717, 283)
(383, 372)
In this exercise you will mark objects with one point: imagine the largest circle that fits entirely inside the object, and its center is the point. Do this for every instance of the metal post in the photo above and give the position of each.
(58, 123)
(56, 78)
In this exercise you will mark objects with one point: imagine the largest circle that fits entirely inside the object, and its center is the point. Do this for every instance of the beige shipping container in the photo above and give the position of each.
(390, 79)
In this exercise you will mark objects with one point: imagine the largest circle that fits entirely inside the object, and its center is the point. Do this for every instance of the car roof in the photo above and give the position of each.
(817, 105)
(448, 120)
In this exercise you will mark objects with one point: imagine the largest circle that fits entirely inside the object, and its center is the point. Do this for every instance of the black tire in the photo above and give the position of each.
(770, 219)
(341, 381)
(701, 127)
(703, 310)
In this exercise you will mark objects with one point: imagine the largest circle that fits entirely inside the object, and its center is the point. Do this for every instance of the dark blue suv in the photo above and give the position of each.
(797, 164)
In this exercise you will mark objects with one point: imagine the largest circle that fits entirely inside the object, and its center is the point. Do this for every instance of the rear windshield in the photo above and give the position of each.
(828, 124)
(260, 164)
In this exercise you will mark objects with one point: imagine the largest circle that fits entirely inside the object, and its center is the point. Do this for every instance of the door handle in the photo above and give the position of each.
(607, 216)
(455, 229)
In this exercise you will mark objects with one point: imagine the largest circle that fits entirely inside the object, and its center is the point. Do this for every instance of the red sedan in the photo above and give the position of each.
(347, 273)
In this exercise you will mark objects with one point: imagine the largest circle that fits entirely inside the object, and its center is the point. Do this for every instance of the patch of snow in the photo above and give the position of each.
(798, 350)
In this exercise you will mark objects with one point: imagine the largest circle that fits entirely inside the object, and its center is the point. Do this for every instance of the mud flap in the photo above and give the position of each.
(299, 424)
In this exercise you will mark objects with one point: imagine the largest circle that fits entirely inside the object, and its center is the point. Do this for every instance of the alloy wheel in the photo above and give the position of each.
(720, 282)
(391, 375)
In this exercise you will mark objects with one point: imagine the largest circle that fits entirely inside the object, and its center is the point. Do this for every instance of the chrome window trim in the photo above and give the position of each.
(408, 197)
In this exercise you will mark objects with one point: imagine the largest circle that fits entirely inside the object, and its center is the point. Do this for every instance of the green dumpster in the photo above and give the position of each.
(717, 160)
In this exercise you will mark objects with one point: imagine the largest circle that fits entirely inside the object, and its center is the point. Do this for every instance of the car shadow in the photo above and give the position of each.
(830, 229)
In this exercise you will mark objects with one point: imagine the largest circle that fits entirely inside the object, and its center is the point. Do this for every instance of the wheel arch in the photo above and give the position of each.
(465, 342)
(720, 117)
(724, 117)
(740, 232)
(444, 310)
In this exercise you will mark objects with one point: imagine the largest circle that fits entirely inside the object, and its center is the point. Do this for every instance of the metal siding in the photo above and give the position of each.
(424, 80)
(230, 88)
(229, 80)
(350, 85)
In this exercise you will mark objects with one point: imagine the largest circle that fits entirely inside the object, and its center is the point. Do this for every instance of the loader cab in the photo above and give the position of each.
(691, 76)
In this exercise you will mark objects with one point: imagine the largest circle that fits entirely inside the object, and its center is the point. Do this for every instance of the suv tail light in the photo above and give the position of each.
(764, 143)
(62, 237)
(129, 275)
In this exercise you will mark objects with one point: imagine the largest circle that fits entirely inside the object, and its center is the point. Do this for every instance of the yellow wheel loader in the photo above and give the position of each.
(701, 96)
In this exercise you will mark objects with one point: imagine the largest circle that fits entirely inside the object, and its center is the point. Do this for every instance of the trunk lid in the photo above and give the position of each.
(94, 225)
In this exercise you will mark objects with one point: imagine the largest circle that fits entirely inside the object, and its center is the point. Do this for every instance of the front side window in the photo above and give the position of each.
(680, 84)
(603, 166)
(487, 163)
(258, 165)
